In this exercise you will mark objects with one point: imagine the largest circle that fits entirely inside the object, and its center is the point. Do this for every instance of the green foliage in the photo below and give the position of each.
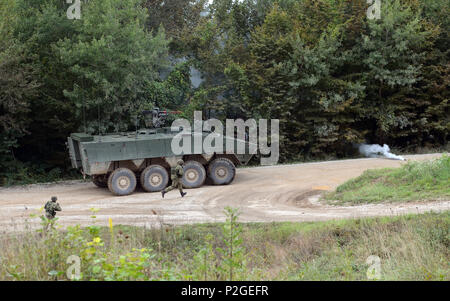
(50, 116)
(410, 247)
(205, 262)
(93, 74)
(233, 257)
(7, 20)
(227, 262)
(332, 76)
(392, 52)
(413, 181)
(329, 74)
(16, 87)
(178, 17)
(15, 172)
(113, 62)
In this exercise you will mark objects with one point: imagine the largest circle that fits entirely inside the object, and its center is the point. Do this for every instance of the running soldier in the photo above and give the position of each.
(176, 175)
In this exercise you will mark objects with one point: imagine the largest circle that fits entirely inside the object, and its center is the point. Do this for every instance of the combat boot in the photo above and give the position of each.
(183, 194)
(163, 192)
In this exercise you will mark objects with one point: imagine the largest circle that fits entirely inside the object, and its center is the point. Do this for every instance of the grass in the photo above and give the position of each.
(415, 181)
(410, 247)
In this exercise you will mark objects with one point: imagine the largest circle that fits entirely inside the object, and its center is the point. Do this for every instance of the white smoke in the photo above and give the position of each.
(378, 151)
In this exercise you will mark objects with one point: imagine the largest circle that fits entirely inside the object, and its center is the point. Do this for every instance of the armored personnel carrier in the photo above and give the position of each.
(122, 161)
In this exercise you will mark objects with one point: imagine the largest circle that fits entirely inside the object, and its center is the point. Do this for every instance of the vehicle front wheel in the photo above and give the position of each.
(221, 171)
(122, 181)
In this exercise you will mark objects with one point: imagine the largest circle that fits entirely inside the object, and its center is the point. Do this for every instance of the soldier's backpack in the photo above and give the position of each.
(49, 208)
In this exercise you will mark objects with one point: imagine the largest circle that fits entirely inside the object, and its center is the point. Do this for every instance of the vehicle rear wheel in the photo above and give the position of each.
(221, 171)
(154, 178)
(100, 181)
(122, 181)
(194, 174)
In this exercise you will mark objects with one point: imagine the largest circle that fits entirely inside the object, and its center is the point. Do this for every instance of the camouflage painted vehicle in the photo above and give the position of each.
(124, 160)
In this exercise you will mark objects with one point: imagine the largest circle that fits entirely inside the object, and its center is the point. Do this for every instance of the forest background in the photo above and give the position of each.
(331, 75)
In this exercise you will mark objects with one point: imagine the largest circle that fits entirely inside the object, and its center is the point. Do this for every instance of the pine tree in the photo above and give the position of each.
(114, 62)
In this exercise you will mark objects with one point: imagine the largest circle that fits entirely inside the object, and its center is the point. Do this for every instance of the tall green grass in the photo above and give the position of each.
(427, 180)
(411, 247)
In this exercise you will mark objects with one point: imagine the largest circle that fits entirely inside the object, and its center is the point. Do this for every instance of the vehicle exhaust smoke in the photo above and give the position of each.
(378, 151)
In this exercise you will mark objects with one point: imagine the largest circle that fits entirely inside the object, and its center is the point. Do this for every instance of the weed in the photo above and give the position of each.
(410, 247)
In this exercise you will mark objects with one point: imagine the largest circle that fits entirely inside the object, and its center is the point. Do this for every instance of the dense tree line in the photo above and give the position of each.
(332, 76)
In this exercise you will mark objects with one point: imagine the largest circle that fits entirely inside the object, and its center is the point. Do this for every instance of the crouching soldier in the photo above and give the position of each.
(176, 176)
(50, 211)
(51, 207)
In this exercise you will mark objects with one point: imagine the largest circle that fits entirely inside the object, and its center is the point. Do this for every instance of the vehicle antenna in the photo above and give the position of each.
(84, 115)
(98, 119)
(136, 123)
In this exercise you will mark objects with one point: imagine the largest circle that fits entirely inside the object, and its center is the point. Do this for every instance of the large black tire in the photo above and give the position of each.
(154, 178)
(122, 181)
(221, 171)
(194, 174)
(100, 181)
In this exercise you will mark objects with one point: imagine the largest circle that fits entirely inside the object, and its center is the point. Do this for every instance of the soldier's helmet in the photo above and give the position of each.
(181, 162)
(54, 198)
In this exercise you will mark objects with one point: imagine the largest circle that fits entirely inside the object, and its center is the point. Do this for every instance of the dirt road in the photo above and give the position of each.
(277, 193)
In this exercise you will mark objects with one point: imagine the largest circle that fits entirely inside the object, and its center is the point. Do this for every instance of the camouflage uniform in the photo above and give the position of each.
(176, 176)
(51, 207)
